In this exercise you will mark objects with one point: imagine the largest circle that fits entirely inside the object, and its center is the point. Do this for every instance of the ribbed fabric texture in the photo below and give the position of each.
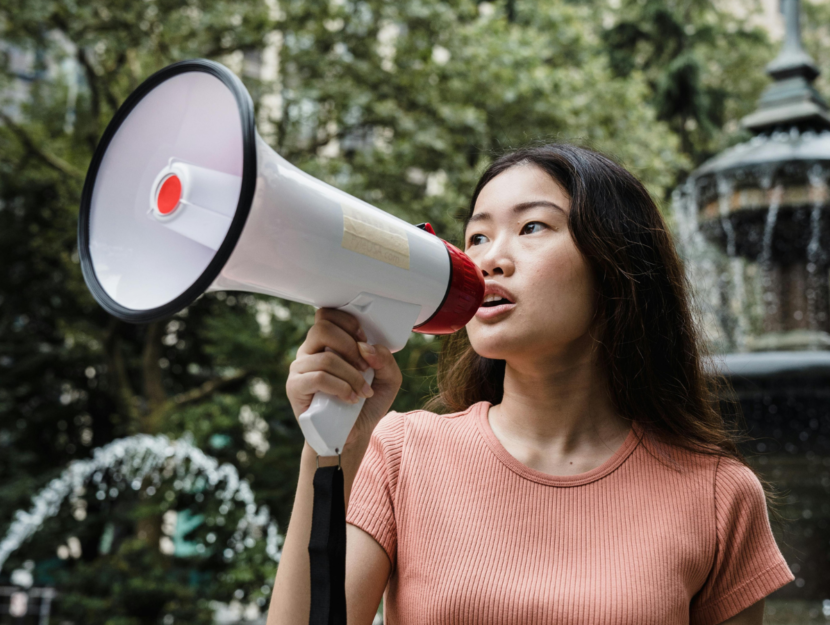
(656, 534)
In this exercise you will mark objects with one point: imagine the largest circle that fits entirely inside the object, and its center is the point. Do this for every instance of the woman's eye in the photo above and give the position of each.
(533, 226)
(476, 239)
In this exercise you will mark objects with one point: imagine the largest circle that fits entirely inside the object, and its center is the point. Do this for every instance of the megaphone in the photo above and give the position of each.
(183, 197)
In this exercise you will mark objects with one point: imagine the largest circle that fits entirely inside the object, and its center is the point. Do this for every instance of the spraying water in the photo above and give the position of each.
(732, 285)
(818, 192)
(769, 298)
(136, 458)
(700, 259)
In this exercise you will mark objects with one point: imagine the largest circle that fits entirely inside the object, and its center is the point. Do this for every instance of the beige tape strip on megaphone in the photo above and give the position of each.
(373, 237)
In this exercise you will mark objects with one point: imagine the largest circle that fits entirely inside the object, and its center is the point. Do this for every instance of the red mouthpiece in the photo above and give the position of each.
(462, 299)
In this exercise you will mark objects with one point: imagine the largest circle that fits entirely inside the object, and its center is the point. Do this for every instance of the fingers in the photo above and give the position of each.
(342, 319)
(331, 360)
(383, 362)
(306, 385)
(326, 333)
(331, 363)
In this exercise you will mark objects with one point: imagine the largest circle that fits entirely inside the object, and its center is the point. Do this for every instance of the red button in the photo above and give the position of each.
(169, 195)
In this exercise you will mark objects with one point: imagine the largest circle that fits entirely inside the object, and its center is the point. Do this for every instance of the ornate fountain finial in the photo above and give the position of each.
(790, 101)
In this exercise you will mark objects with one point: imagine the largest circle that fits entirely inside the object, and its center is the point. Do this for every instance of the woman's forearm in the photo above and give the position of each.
(290, 599)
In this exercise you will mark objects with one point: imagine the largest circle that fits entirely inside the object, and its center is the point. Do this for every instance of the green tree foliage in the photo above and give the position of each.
(815, 30)
(702, 64)
(401, 104)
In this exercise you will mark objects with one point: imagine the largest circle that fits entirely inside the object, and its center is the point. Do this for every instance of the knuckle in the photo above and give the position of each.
(313, 333)
(329, 359)
(383, 356)
(352, 323)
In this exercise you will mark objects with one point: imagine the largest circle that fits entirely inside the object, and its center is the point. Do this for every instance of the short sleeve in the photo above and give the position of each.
(748, 564)
(373, 495)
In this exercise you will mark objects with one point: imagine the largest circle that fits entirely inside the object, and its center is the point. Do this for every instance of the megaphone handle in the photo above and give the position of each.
(339, 417)
(341, 410)
(327, 422)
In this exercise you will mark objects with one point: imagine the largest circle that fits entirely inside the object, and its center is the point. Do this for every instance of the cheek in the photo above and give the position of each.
(565, 283)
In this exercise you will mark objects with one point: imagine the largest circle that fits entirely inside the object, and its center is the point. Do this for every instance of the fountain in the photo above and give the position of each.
(753, 227)
(144, 461)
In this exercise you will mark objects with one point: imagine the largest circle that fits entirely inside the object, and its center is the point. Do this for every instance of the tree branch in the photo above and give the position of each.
(118, 369)
(94, 94)
(155, 418)
(150, 369)
(208, 388)
(50, 159)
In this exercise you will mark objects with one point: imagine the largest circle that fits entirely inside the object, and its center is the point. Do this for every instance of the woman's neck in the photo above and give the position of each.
(557, 407)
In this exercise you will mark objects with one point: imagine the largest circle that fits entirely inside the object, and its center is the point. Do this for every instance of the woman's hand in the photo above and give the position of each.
(338, 371)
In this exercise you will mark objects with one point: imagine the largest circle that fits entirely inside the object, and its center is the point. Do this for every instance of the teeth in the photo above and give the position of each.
(492, 297)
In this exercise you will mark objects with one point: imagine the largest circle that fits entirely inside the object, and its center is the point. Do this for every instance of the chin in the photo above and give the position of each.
(499, 347)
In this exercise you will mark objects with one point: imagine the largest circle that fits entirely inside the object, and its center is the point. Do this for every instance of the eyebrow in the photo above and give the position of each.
(518, 208)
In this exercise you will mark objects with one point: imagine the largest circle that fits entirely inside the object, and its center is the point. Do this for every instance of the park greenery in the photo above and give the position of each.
(399, 103)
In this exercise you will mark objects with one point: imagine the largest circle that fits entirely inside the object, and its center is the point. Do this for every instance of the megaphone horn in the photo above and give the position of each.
(183, 197)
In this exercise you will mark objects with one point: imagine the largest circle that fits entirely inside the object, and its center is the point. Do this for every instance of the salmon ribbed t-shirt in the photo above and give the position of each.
(656, 535)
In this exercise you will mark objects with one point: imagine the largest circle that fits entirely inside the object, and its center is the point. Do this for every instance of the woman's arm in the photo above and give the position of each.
(367, 572)
(330, 360)
(367, 565)
(753, 615)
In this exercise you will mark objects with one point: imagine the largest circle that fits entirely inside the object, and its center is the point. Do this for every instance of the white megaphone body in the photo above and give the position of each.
(183, 197)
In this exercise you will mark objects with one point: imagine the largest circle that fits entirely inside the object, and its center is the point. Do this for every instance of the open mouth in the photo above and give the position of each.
(496, 302)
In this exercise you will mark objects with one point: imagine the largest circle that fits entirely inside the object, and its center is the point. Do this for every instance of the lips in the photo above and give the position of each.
(497, 301)
(486, 313)
(494, 293)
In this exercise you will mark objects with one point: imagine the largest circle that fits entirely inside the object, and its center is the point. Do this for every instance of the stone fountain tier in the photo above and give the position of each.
(775, 365)
(767, 201)
(807, 147)
(783, 172)
(789, 240)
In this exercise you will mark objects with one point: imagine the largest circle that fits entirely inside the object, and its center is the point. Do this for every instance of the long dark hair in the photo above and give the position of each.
(649, 341)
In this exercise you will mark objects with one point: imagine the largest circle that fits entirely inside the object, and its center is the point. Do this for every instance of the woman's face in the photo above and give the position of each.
(518, 235)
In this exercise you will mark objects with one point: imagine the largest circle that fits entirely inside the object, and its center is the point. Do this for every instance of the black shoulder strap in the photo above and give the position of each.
(327, 549)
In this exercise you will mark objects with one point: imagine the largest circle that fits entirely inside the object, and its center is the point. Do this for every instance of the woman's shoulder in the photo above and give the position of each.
(696, 463)
(395, 427)
(738, 490)
(723, 477)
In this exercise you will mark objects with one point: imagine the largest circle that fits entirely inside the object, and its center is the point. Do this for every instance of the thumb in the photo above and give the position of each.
(385, 385)
(387, 372)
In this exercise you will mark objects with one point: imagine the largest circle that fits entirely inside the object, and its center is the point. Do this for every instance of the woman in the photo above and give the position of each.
(584, 474)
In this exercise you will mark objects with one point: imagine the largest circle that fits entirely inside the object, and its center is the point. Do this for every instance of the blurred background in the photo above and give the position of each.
(147, 472)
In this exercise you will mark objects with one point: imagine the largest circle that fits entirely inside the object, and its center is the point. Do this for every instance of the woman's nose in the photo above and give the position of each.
(495, 261)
